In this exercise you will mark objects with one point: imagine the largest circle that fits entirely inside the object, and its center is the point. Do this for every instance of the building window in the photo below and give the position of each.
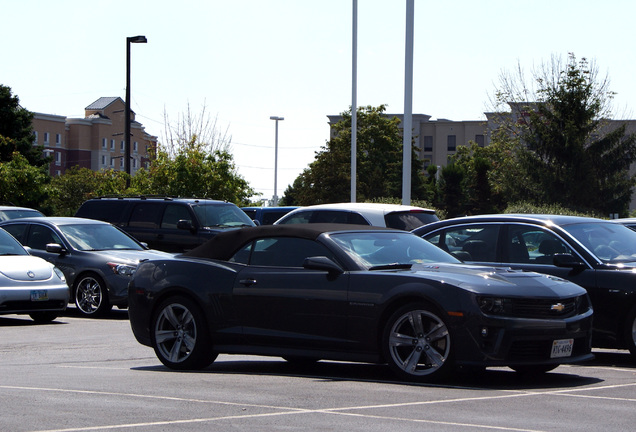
(58, 173)
(58, 158)
(135, 146)
(122, 146)
(428, 143)
(452, 142)
(479, 139)
(121, 162)
(46, 138)
(134, 163)
(112, 145)
(35, 138)
(58, 140)
(112, 163)
(103, 160)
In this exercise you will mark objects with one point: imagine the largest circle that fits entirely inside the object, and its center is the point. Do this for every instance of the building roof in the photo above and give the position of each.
(102, 103)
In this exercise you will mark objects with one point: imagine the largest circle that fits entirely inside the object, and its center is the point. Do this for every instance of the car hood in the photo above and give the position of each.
(499, 280)
(25, 268)
(132, 256)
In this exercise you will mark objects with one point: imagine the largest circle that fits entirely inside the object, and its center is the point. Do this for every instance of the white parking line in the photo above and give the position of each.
(333, 411)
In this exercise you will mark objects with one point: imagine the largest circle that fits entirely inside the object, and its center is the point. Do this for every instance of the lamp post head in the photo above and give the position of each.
(276, 118)
(137, 39)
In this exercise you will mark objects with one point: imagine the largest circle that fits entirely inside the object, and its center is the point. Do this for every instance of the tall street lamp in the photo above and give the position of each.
(276, 118)
(129, 40)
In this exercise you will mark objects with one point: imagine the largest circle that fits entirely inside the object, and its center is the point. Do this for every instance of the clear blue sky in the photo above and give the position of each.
(247, 60)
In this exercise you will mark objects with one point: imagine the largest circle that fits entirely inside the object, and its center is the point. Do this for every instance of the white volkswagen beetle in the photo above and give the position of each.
(28, 284)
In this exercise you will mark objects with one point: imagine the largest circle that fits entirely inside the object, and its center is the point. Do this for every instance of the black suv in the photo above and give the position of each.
(167, 224)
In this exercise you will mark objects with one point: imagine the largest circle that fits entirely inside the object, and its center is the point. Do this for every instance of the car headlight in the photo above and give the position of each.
(59, 274)
(122, 269)
(494, 305)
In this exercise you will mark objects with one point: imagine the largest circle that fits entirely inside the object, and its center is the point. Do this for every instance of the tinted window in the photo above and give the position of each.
(408, 220)
(9, 246)
(269, 217)
(529, 244)
(18, 231)
(298, 217)
(334, 216)
(145, 215)
(40, 236)
(280, 252)
(107, 210)
(173, 214)
(610, 242)
(15, 214)
(468, 242)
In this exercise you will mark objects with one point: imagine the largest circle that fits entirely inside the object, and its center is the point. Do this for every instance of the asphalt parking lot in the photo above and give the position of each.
(80, 374)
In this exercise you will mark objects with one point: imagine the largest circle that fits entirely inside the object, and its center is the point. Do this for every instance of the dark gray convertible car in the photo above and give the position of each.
(342, 292)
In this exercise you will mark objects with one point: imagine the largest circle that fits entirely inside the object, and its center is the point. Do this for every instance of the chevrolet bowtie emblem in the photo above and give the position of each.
(559, 307)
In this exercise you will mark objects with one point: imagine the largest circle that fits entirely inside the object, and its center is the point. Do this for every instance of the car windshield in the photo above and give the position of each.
(221, 215)
(9, 245)
(611, 243)
(387, 249)
(93, 237)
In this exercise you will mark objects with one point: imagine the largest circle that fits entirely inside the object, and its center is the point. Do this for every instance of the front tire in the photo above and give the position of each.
(417, 344)
(91, 296)
(41, 317)
(180, 336)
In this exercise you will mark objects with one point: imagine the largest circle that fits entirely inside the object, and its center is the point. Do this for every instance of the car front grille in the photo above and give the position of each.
(534, 308)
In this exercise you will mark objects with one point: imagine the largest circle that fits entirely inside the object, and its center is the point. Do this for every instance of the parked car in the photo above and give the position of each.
(12, 212)
(28, 284)
(596, 254)
(167, 224)
(266, 215)
(376, 214)
(628, 222)
(97, 259)
(325, 291)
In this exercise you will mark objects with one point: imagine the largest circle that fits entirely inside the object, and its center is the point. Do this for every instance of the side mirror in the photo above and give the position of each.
(55, 248)
(567, 260)
(185, 225)
(322, 263)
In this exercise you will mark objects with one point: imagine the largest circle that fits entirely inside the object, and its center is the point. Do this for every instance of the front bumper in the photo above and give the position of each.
(504, 341)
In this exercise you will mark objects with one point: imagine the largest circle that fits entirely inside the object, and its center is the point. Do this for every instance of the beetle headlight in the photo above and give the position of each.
(59, 274)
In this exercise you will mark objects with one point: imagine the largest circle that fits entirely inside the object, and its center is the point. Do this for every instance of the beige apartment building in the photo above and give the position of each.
(95, 141)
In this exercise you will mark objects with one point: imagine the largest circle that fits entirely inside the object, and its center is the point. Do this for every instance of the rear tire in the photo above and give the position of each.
(417, 344)
(180, 335)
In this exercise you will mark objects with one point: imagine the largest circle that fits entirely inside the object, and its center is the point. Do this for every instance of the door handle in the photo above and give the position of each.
(247, 282)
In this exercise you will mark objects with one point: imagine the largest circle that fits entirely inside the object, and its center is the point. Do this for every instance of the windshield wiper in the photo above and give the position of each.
(392, 266)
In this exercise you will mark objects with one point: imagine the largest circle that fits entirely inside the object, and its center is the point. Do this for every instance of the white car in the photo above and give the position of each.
(12, 212)
(384, 215)
(28, 284)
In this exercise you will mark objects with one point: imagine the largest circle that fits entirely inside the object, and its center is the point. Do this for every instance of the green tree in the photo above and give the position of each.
(22, 183)
(492, 175)
(191, 171)
(379, 163)
(68, 191)
(16, 130)
(571, 156)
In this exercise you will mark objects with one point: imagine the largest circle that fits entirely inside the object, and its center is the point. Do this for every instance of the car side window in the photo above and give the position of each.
(299, 217)
(173, 214)
(280, 252)
(331, 216)
(468, 242)
(528, 244)
(145, 215)
(40, 236)
(18, 231)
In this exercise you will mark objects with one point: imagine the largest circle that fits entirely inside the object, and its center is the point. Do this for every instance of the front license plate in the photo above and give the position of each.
(562, 348)
(39, 295)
